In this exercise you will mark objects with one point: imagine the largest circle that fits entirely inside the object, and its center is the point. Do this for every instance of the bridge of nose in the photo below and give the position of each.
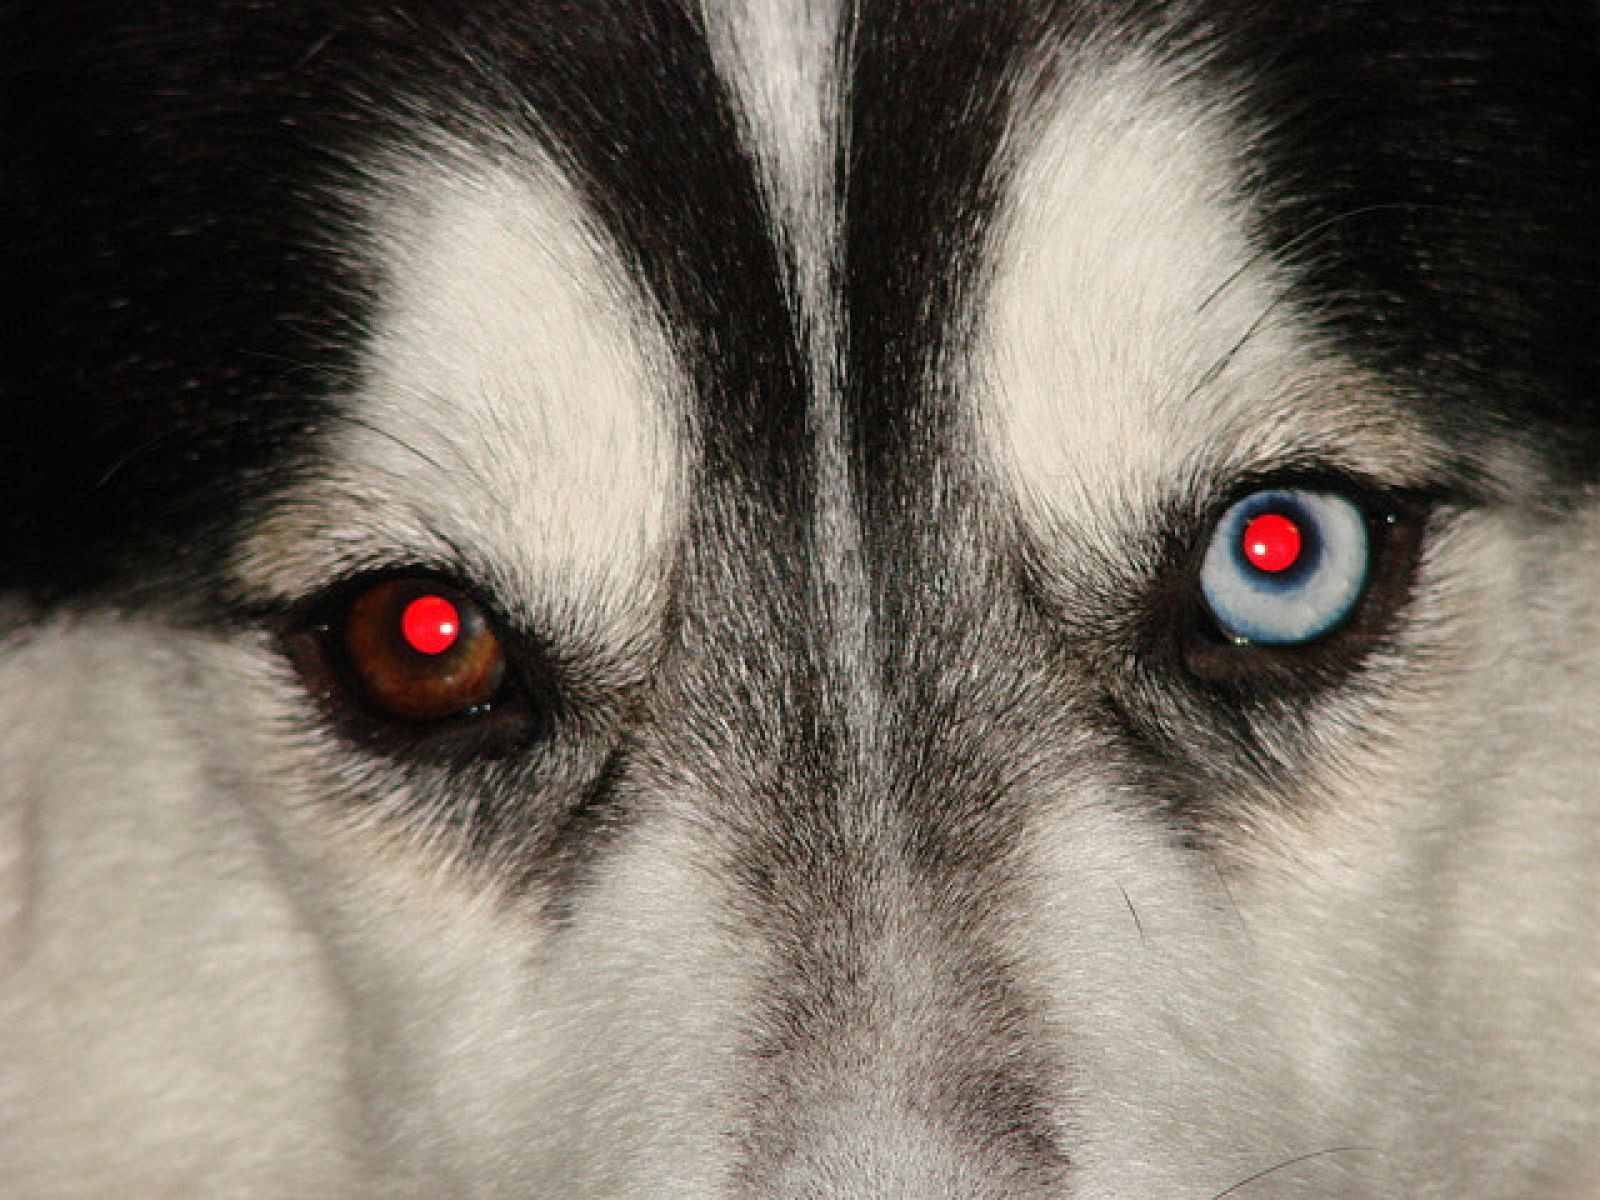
(837, 589)
(887, 1047)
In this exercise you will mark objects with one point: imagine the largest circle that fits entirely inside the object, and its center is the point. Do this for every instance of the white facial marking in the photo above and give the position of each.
(781, 57)
(519, 401)
(168, 1026)
(1134, 332)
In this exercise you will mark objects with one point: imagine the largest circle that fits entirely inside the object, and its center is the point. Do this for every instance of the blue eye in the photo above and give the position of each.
(1286, 566)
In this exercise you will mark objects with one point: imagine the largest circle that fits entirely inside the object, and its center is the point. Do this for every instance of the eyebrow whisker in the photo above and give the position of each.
(1293, 245)
(1284, 1165)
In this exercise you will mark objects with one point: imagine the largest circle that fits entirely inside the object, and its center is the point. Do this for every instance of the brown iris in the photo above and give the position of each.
(422, 650)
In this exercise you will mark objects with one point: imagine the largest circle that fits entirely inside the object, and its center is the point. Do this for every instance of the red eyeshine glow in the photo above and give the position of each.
(430, 624)
(1272, 542)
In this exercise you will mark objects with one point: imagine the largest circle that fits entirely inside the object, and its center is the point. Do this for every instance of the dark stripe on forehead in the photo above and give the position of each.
(934, 96)
(630, 102)
(182, 282)
(931, 96)
(943, 99)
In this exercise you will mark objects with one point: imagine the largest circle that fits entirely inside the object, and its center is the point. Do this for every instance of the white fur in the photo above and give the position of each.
(518, 404)
(782, 58)
(171, 1024)
(1133, 337)
(221, 991)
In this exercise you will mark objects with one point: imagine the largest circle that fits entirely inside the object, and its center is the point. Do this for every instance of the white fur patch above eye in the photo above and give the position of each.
(520, 406)
(1134, 334)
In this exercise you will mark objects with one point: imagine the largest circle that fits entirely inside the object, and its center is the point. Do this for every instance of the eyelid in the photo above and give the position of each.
(1369, 492)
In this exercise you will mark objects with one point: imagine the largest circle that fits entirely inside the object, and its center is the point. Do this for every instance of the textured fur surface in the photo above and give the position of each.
(830, 404)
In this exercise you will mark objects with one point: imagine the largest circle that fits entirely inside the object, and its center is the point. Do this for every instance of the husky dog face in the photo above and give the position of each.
(982, 600)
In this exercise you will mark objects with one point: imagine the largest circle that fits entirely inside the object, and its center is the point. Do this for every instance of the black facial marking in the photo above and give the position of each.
(173, 318)
(1434, 173)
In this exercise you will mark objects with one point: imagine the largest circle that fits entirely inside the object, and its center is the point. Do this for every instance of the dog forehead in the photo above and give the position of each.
(529, 392)
(781, 61)
(1136, 340)
(518, 403)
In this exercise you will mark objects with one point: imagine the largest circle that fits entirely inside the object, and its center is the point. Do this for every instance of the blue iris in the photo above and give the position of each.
(1303, 601)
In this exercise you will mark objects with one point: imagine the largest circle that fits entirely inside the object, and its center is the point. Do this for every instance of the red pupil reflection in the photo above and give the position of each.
(1272, 542)
(430, 625)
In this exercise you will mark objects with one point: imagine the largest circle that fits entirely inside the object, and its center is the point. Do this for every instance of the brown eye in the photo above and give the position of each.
(421, 650)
